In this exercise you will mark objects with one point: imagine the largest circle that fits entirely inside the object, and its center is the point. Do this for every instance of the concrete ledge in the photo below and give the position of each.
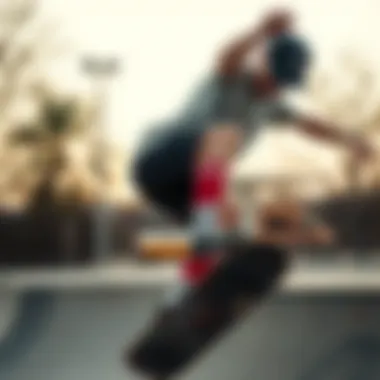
(343, 278)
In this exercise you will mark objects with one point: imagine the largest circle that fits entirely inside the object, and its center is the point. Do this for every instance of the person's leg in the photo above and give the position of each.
(212, 217)
(173, 193)
(209, 191)
(164, 176)
(220, 142)
(204, 224)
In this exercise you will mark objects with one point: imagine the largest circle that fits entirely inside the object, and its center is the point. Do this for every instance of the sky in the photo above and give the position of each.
(165, 46)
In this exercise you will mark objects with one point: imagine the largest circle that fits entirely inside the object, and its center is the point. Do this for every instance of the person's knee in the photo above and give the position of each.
(220, 142)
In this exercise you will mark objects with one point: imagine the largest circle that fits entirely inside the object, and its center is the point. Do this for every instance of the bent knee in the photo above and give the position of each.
(221, 141)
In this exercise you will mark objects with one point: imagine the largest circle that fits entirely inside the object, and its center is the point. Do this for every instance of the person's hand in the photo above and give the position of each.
(357, 169)
(277, 22)
(362, 150)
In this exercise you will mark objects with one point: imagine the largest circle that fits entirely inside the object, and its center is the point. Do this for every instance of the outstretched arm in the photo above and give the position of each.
(233, 55)
(321, 130)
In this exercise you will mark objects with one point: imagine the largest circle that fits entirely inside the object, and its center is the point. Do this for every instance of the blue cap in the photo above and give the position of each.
(289, 58)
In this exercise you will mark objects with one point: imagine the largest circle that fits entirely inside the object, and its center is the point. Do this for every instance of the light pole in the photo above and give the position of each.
(101, 70)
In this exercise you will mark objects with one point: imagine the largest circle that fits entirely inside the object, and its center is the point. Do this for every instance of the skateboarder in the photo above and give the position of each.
(182, 167)
(228, 109)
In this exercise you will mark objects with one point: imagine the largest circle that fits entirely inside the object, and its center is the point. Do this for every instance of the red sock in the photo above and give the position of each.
(196, 269)
(209, 188)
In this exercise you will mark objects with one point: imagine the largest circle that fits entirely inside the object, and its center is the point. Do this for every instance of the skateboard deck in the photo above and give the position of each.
(184, 330)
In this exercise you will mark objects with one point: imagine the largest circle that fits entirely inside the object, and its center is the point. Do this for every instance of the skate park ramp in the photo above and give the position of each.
(80, 335)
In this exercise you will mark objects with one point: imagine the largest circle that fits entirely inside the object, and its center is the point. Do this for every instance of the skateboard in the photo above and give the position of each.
(182, 331)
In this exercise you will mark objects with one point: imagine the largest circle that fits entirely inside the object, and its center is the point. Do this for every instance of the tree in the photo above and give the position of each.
(33, 143)
(38, 124)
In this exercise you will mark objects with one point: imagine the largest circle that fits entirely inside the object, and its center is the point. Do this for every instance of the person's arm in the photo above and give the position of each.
(233, 55)
(325, 131)
(320, 130)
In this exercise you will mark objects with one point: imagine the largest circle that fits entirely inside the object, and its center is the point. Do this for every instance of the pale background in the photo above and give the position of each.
(166, 45)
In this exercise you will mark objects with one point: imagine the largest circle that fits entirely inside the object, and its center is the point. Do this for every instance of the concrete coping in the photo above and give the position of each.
(301, 279)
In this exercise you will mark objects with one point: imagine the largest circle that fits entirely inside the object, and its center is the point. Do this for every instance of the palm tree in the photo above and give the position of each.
(26, 44)
(60, 120)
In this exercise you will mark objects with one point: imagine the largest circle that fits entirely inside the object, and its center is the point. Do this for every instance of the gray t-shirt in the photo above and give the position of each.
(220, 99)
(233, 99)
